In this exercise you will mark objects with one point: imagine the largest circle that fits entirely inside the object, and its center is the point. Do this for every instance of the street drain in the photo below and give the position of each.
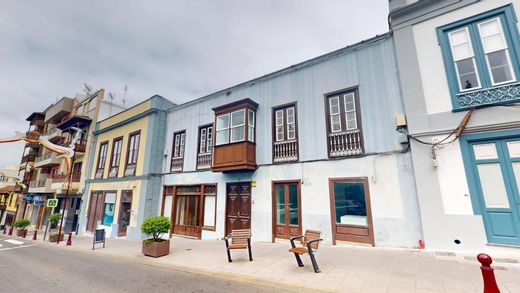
(444, 253)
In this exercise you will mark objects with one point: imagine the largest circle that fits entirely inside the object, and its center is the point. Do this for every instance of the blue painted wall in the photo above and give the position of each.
(369, 65)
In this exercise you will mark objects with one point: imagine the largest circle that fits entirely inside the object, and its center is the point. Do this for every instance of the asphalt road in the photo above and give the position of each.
(29, 267)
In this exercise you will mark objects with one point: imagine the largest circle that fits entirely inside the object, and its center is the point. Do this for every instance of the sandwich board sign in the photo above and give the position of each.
(52, 202)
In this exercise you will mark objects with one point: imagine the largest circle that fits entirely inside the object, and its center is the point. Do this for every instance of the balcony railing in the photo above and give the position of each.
(52, 132)
(78, 147)
(76, 176)
(38, 183)
(177, 164)
(285, 151)
(44, 157)
(28, 158)
(204, 161)
(500, 94)
(346, 143)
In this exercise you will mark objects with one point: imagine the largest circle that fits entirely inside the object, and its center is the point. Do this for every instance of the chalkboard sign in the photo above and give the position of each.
(99, 237)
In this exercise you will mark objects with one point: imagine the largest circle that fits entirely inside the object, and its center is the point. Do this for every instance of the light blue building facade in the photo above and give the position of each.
(312, 146)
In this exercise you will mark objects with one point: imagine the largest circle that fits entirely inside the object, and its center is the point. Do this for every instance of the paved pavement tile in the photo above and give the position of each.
(344, 269)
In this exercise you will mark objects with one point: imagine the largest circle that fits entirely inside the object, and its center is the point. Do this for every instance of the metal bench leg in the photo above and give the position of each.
(314, 263)
(228, 252)
(298, 260)
(229, 256)
(249, 248)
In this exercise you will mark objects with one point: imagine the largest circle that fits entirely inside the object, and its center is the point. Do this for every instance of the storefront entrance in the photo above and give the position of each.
(125, 211)
(495, 179)
(286, 209)
(95, 210)
(187, 212)
(238, 206)
(350, 210)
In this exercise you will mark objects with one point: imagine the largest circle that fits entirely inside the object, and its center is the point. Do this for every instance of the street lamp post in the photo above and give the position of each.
(68, 180)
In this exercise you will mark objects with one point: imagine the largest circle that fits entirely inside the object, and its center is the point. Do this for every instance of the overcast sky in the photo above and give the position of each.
(179, 49)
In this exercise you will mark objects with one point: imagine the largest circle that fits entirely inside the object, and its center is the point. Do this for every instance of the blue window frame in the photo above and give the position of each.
(481, 57)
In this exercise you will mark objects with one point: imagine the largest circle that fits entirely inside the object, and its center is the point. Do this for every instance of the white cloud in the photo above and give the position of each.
(178, 49)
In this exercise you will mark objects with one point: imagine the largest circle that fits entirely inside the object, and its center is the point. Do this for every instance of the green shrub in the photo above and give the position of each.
(54, 219)
(22, 224)
(156, 226)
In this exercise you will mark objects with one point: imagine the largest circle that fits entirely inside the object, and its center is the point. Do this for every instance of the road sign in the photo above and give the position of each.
(52, 202)
(39, 203)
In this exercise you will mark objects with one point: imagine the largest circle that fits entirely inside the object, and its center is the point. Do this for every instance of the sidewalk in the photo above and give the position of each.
(344, 269)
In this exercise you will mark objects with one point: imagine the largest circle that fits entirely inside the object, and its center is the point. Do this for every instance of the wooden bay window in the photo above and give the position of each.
(235, 136)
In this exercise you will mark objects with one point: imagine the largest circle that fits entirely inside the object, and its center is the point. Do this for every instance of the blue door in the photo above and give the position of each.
(496, 166)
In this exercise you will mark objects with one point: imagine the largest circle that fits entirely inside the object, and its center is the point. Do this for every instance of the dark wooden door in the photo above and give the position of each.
(95, 211)
(125, 211)
(286, 210)
(238, 206)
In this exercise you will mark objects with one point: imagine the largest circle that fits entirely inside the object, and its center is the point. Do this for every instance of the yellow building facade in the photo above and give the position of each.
(124, 183)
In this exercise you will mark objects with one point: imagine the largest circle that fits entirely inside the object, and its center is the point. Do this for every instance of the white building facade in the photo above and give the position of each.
(312, 146)
(456, 59)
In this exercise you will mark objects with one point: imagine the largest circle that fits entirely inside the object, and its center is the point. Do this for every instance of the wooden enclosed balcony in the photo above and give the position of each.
(235, 137)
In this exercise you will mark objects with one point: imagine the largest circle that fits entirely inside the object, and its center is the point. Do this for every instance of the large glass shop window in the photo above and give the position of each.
(108, 214)
(350, 203)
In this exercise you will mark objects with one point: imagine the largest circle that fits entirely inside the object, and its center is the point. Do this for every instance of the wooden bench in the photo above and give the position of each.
(310, 242)
(240, 239)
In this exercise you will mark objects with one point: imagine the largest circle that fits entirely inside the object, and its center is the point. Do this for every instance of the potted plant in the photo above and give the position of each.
(156, 227)
(21, 225)
(54, 219)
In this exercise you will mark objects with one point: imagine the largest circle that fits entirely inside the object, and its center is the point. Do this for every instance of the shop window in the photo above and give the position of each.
(108, 213)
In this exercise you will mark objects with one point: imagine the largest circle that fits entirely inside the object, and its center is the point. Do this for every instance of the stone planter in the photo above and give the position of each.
(54, 237)
(20, 233)
(156, 249)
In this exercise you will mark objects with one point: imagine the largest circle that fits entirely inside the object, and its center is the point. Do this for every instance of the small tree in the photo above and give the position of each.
(54, 219)
(156, 227)
(21, 224)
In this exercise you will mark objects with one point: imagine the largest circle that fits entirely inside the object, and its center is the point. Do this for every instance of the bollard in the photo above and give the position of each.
(5, 230)
(24, 233)
(69, 240)
(10, 231)
(490, 283)
(34, 236)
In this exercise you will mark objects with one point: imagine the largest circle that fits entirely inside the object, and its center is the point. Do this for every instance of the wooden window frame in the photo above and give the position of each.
(228, 112)
(100, 166)
(201, 201)
(181, 147)
(127, 157)
(207, 140)
(117, 139)
(284, 108)
(334, 225)
(343, 118)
